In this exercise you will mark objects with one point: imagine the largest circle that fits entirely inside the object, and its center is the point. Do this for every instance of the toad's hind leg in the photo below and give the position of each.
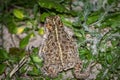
(77, 71)
(50, 71)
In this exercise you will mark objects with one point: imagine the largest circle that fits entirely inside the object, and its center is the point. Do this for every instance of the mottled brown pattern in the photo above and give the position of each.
(60, 51)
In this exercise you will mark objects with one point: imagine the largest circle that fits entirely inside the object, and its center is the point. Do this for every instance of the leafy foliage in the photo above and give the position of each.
(52, 5)
(90, 21)
(24, 41)
(19, 14)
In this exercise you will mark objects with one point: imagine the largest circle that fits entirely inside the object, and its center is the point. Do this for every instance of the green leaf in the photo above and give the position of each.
(35, 10)
(2, 68)
(93, 17)
(36, 59)
(112, 20)
(18, 13)
(43, 16)
(51, 4)
(24, 41)
(66, 22)
(41, 31)
(12, 27)
(77, 34)
(17, 52)
(85, 53)
(73, 13)
(46, 3)
(3, 55)
(109, 58)
(112, 1)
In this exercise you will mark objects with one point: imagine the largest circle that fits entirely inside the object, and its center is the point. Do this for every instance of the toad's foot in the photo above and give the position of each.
(84, 75)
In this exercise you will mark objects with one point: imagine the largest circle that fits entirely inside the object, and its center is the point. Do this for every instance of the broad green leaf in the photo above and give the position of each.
(78, 34)
(20, 30)
(35, 10)
(32, 35)
(2, 68)
(41, 31)
(85, 53)
(3, 55)
(43, 16)
(51, 4)
(74, 13)
(18, 13)
(112, 1)
(43, 3)
(66, 22)
(112, 20)
(36, 59)
(12, 27)
(24, 41)
(109, 58)
(93, 17)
